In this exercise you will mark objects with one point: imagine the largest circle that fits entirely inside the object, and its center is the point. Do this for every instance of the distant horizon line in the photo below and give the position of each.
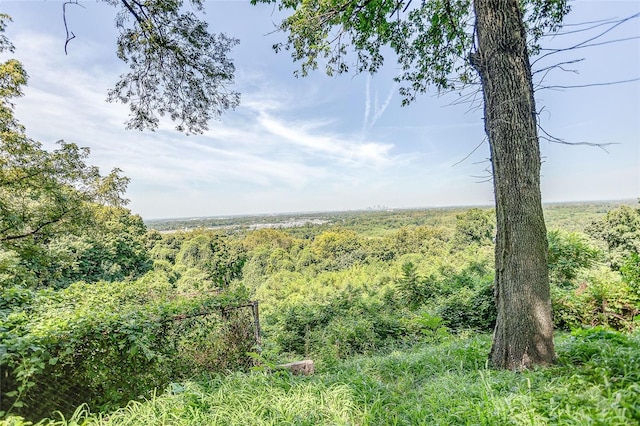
(378, 209)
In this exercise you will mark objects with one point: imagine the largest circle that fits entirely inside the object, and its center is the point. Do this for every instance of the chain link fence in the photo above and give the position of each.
(106, 376)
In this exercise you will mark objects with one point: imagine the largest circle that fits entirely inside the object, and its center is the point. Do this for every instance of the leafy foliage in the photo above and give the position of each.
(60, 222)
(602, 299)
(329, 293)
(177, 68)
(113, 249)
(43, 192)
(412, 289)
(48, 195)
(448, 383)
(199, 260)
(630, 271)
(109, 342)
(432, 40)
(620, 230)
(569, 253)
(475, 226)
(348, 323)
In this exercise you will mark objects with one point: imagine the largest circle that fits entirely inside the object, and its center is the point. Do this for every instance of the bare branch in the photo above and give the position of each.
(471, 153)
(70, 35)
(550, 138)
(597, 24)
(579, 86)
(587, 43)
(470, 98)
(559, 66)
(584, 46)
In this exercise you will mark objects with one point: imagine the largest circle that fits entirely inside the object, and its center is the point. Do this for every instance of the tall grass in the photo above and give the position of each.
(596, 382)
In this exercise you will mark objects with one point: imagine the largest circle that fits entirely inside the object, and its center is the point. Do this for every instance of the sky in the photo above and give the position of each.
(323, 143)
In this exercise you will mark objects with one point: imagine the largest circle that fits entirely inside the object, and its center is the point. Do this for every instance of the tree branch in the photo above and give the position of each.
(579, 86)
(133, 12)
(471, 153)
(554, 139)
(587, 43)
(35, 230)
(69, 34)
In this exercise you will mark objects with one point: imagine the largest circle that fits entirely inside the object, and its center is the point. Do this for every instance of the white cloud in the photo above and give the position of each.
(296, 144)
(370, 120)
(264, 144)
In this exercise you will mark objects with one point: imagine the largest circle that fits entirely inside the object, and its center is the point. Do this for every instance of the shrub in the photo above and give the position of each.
(349, 322)
(569, 253)
(212, 254)
(601, 300)
(349, 335)
(466, 298)
(469, 308)
(630, 271)
(431, 327)
(620, 230)
(106, 344)
(475, 226)
(412, 289)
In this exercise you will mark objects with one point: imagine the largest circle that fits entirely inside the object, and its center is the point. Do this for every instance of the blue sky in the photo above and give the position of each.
(321, 143)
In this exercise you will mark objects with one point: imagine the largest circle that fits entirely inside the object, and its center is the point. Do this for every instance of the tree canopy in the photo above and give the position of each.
(46, 195)
(433, 40)
(177, 68)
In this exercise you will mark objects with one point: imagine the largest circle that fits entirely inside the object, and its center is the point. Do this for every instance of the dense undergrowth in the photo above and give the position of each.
(596, 381)
(106, 343)
(396, 319)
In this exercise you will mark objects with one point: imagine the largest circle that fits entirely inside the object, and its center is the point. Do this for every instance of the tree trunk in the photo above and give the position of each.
(524, 330)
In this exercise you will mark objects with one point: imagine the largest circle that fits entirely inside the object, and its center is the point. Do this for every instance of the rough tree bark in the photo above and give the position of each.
(524, 330)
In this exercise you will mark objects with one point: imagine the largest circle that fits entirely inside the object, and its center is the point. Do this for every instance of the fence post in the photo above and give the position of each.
(256, 322)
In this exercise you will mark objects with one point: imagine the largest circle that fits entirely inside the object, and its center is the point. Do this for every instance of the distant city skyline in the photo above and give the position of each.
(322, 143)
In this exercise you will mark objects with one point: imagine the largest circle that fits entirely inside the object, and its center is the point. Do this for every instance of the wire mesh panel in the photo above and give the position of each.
(215, 341)
(106, 370)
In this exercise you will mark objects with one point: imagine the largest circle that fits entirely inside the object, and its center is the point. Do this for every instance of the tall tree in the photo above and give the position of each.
(449, 43)
(524, 327)
(43, 194)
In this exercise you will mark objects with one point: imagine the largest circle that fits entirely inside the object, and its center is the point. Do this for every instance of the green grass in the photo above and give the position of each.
(596, 382)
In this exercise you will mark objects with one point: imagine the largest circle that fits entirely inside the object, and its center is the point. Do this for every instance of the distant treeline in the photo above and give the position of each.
(572, 215)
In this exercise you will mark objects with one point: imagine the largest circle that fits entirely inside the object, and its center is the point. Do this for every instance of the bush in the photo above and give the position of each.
(475, 226)
(106, 344)
(466, 299)
(469, 308)
(630, 271)
(429, 326)
(218, 259)
(349, 335)
(347, 323)
(412, 289)
(620, 230)
(570, 253)
(601, 300)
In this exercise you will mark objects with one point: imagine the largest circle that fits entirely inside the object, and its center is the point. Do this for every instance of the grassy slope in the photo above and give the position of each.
(597, 382)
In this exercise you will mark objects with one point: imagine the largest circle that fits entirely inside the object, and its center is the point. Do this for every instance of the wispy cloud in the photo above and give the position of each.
(266, 143)
(296, 144)
(371, 119)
